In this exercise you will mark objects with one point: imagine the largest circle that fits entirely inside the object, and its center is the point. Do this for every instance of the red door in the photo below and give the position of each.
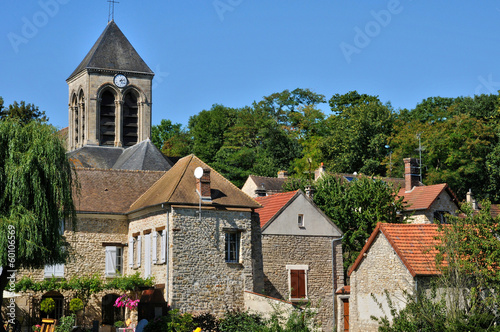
(346, 314)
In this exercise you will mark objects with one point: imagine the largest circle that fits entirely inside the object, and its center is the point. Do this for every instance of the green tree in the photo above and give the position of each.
(454, 151)
(356, 207)
(359, 129)
(431, 109)
(207, 129)
(23, 112)
(171, 139)
(164, 131)
(36, 182)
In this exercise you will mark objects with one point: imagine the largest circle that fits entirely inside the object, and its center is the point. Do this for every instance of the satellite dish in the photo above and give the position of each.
(198, 172)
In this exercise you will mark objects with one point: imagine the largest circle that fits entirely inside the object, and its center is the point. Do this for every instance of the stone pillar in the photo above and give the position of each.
(118, 122)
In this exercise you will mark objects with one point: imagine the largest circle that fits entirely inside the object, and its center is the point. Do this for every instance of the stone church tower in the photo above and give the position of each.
(110, 95)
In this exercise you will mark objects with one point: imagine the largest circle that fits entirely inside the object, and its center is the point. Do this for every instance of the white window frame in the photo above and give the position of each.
(305, 268)
(163, 251)
(55, 270)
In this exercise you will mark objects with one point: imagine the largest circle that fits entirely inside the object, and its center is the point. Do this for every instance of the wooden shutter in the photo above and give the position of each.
(163, 246)
(155, 246)
(110, 261)
(147, 255)
(298, 284)
(139, 240)
(131, 252)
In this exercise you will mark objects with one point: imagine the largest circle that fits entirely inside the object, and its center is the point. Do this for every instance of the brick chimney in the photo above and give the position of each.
(412, 174)
(203, 185)
(319, 172)
(282, 175)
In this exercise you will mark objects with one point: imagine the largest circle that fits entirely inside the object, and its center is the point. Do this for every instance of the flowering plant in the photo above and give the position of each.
(126, 301)
(37, 328)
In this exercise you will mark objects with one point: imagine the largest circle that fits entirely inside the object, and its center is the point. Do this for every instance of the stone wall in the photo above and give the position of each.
(444, 202)
(380, 270)
(200, 280)
(313, 251)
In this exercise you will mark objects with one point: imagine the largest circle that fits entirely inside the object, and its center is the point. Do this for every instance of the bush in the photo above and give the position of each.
(75, 305)
(66, 324)
(48, 305)
(241, 321)
(207, 322)
(174, 321)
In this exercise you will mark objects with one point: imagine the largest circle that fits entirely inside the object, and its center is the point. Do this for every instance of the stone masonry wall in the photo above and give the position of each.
(443, 203)
(316, 252)
(199, 278)
(379, 271)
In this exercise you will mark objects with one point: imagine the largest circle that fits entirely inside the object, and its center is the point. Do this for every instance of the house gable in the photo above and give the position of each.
(315, 222)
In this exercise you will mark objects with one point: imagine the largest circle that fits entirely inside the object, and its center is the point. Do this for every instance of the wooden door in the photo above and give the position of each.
(346, 314)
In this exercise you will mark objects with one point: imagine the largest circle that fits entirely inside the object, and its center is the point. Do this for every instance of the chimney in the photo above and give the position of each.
(260, 191)
(203, 185)
(412, 176)
(470, 200)
(310, 192)
(319, 172)
(282, 175)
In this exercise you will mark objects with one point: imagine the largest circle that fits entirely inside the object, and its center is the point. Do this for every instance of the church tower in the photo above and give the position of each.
(110, 95)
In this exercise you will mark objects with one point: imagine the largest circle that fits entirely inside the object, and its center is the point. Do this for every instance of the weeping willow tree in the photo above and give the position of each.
(36, 182)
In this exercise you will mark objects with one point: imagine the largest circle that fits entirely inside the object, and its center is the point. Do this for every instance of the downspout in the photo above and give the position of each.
(334, 284)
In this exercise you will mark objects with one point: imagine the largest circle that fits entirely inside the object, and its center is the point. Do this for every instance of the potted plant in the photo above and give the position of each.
(76, 307)
(119, 324)
(48, 305)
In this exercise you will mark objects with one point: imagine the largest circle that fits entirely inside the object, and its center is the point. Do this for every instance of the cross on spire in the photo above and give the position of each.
(111, 13)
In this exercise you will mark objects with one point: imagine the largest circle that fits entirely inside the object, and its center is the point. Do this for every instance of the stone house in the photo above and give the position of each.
(256, 186)
(301, 253)
(426, 204)
(396, 258)
(139, 211)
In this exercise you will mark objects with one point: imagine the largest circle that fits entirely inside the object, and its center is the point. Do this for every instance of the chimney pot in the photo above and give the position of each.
(282, 175)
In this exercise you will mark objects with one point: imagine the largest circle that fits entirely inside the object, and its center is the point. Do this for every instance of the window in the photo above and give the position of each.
(130, 113)
(300, 221)
(297, 281)
(440, 217)
(56, 270)
(107, 119)
(114, 261)
(232, 247)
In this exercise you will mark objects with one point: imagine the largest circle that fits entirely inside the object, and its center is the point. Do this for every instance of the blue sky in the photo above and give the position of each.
(234, 52)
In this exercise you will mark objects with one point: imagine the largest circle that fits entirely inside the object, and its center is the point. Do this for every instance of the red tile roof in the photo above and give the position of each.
(414, 244)
(422, 197)
(344, 290)
(272, 204)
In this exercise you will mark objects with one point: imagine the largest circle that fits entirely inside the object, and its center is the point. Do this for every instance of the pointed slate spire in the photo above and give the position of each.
(113, 51)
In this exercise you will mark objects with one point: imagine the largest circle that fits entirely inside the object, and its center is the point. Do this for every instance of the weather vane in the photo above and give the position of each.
(111, 13)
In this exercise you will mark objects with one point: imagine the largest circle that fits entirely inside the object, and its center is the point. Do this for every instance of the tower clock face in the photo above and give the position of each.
(120, 80)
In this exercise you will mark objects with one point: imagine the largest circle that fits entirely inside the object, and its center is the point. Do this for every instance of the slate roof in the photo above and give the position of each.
(113, 51)
(272, 185)
(413, 243)
(178, 186)
(111, 191)
(422, 197)
(273, 204)
(141, 156)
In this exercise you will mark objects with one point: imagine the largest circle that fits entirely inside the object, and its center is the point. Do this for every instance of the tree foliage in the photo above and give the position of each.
(356, 207)
(22, 112)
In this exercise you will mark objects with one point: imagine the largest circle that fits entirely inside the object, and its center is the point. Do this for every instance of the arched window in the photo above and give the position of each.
(107, 119)
(130, 117)
(74, 104)
(82, 111)
(110, 313)
(59, 302)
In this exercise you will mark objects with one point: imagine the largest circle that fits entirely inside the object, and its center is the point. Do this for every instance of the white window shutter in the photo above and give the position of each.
(139, 240)
(59, 270)
(110, 261)
(147, 255)
(131, 252)
(49, 271)
(163, 245)
(155, 246)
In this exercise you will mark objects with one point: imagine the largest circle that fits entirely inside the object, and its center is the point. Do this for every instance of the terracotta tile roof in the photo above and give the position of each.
(414, 244)
(111, 191)
(344, 290)
(422, 197)
(178, 186)
(273, 204)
